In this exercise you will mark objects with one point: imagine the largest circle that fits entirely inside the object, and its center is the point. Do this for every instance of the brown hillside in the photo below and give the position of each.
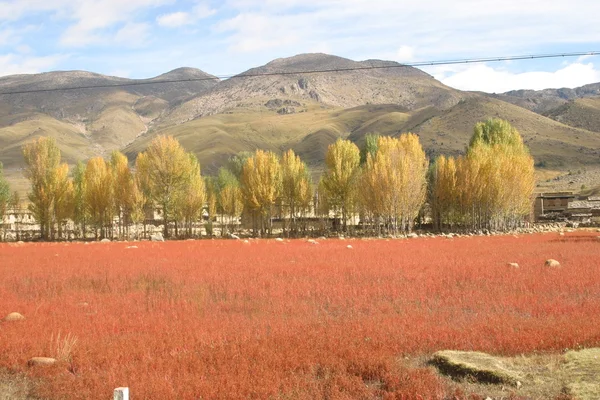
(580, 113)
(551, 143)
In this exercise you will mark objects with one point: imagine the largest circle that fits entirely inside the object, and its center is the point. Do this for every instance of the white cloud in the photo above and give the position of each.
(175, 19)
(438, 28)
(133, 34)
(405, 54)
(11, 64)
(94, 17)
(482, 77)
(203, 10)
(182, 18)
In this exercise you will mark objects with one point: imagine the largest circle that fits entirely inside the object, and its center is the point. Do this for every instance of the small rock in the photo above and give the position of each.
(341, 238)
(279, 240)
(561, 233)
(519, 384)
(552, 263)
(105, 240)
(246, 241)
(234, 236)
(42, 361)
(131, 247)
(514, 265)
(14, 316)
(412, 235)
(349, 246)
(312, 241)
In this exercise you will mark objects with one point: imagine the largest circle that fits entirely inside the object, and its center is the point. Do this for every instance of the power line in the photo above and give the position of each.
(313, 71)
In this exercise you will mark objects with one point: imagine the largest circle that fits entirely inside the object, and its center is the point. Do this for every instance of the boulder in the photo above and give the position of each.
(41, 361)
(513, 265)
(14, 316)
(105, 240)
(551, 263)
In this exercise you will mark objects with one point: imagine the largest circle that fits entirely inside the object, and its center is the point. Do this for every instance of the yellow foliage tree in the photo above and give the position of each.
(191, 201)
(395, 181)
(230, 196)
(261, 186)
(296, 191)
(64, 198)
(48, 178)
(489, 188)
(339, 180)
(165, 173)
(123, 187)
(99, 194)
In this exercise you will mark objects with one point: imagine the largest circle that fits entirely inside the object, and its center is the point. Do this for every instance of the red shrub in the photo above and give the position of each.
(226, 319)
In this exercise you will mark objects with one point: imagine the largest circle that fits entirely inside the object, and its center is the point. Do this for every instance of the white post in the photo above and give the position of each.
(121, 393)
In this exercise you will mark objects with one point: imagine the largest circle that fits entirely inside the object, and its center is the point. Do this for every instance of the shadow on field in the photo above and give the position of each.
(577, 239)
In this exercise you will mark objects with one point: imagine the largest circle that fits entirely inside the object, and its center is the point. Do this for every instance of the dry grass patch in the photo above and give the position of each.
(582, 372)
(575, 374)
(15, 387)
(480, 367)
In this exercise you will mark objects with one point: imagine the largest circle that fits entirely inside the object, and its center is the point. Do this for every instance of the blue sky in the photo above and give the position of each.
(144, 38)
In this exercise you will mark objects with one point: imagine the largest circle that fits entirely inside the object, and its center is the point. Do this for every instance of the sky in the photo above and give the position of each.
(145, 38)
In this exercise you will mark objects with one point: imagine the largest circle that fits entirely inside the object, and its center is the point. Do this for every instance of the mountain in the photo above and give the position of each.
(543, 101)
(287, 106)
(90, 121)
(347, 84)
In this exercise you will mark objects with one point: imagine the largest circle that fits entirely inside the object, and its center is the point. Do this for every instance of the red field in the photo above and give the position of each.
(265, 319)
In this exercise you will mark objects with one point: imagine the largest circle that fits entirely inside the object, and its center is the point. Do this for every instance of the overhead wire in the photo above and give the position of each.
(142, 82)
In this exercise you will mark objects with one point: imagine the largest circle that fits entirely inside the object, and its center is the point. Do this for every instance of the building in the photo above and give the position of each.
(587, 211)
(552, 205)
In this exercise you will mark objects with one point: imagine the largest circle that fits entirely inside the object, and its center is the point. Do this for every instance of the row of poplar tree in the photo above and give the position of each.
(382, 187)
